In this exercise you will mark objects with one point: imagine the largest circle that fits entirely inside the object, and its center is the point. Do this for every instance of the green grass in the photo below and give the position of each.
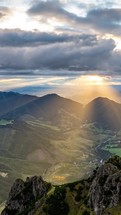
(6, 122)
(116, 151)
(37, 148)
(113, 149)
(38, 123)
(65, 196)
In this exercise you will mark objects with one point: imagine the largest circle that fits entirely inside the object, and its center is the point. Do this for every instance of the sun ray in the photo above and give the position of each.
(87, 87)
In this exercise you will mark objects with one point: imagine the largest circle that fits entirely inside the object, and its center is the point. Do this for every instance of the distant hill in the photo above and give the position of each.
(10, 101)
(44, 135)
(104, 112)
(49, 107)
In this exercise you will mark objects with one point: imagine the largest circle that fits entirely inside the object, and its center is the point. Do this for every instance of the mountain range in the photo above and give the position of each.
(55, 137)
(16, 106)
(102, 111)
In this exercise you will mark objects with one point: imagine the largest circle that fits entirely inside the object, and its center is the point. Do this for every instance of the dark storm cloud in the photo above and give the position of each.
(51, 9)
(60, 56)
(22, 38)
(106, 20)
(28, 51)
(19, 38)
(102, 20)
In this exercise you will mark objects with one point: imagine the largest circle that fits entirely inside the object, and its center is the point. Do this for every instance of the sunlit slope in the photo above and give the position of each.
(104, 112)
(55, 134)
(65, 149)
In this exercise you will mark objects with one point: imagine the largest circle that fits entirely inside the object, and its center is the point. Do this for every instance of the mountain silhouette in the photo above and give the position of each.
(104, 112)
(48, 107)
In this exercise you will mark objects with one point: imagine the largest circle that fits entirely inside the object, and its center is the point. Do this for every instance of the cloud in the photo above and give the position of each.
(105, 20)
(45, 10)
(76, 43)
(65, 56)
(100, 20)
(19, 38)
(4, 11)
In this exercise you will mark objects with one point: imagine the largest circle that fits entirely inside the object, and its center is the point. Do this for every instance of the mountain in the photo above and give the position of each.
(10, 101)
(49, 107)
(59, 111)
(34, 132)
(97, 195)
(104, 113)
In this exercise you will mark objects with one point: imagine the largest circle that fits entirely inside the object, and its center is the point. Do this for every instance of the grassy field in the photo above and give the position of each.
(113, 144)
(5, 122)
(37, 148)
(116, 151)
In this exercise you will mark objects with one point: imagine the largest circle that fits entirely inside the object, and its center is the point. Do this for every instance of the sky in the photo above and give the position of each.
(48, 43)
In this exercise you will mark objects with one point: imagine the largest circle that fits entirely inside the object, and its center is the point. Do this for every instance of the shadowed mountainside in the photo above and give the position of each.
(47, 107)
(104, 112)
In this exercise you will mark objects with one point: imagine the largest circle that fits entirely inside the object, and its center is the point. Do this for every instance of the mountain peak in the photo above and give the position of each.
(104, 112)
(51, 95)
(101, 99)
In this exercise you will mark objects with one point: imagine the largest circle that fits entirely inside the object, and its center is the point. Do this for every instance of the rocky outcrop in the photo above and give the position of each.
(24, 195)
(102, 191)
(105, 191)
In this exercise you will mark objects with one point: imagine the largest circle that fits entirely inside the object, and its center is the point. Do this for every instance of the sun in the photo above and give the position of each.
(19, 19)
(93, 79)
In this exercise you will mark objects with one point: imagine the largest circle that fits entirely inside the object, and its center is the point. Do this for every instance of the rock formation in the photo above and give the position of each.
(97, 194)
(105, 191)
(24, 194)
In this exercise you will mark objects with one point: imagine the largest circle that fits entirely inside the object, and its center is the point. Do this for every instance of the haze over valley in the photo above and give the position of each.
(55, 137)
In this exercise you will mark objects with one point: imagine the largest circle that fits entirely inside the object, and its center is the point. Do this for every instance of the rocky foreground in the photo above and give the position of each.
(100, 194)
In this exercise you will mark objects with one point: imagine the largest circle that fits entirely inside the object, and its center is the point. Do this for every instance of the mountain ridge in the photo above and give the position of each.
(34, 105)
(102, 111)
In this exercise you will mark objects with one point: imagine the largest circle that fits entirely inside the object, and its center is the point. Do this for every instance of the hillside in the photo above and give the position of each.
(99, 194)
(10, 101)
(46, 136)
(34, 133)
(49, 107)
(104, 113)
(55, 109)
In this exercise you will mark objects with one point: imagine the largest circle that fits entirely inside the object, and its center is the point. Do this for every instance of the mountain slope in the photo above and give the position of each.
(104, 112)
(47, 133)
(48, 107)
(36, 131)
(10, 101)
(99, 194)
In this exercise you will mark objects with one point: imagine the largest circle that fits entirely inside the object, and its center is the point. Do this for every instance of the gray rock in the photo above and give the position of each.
(24, 195)
(105, 191)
